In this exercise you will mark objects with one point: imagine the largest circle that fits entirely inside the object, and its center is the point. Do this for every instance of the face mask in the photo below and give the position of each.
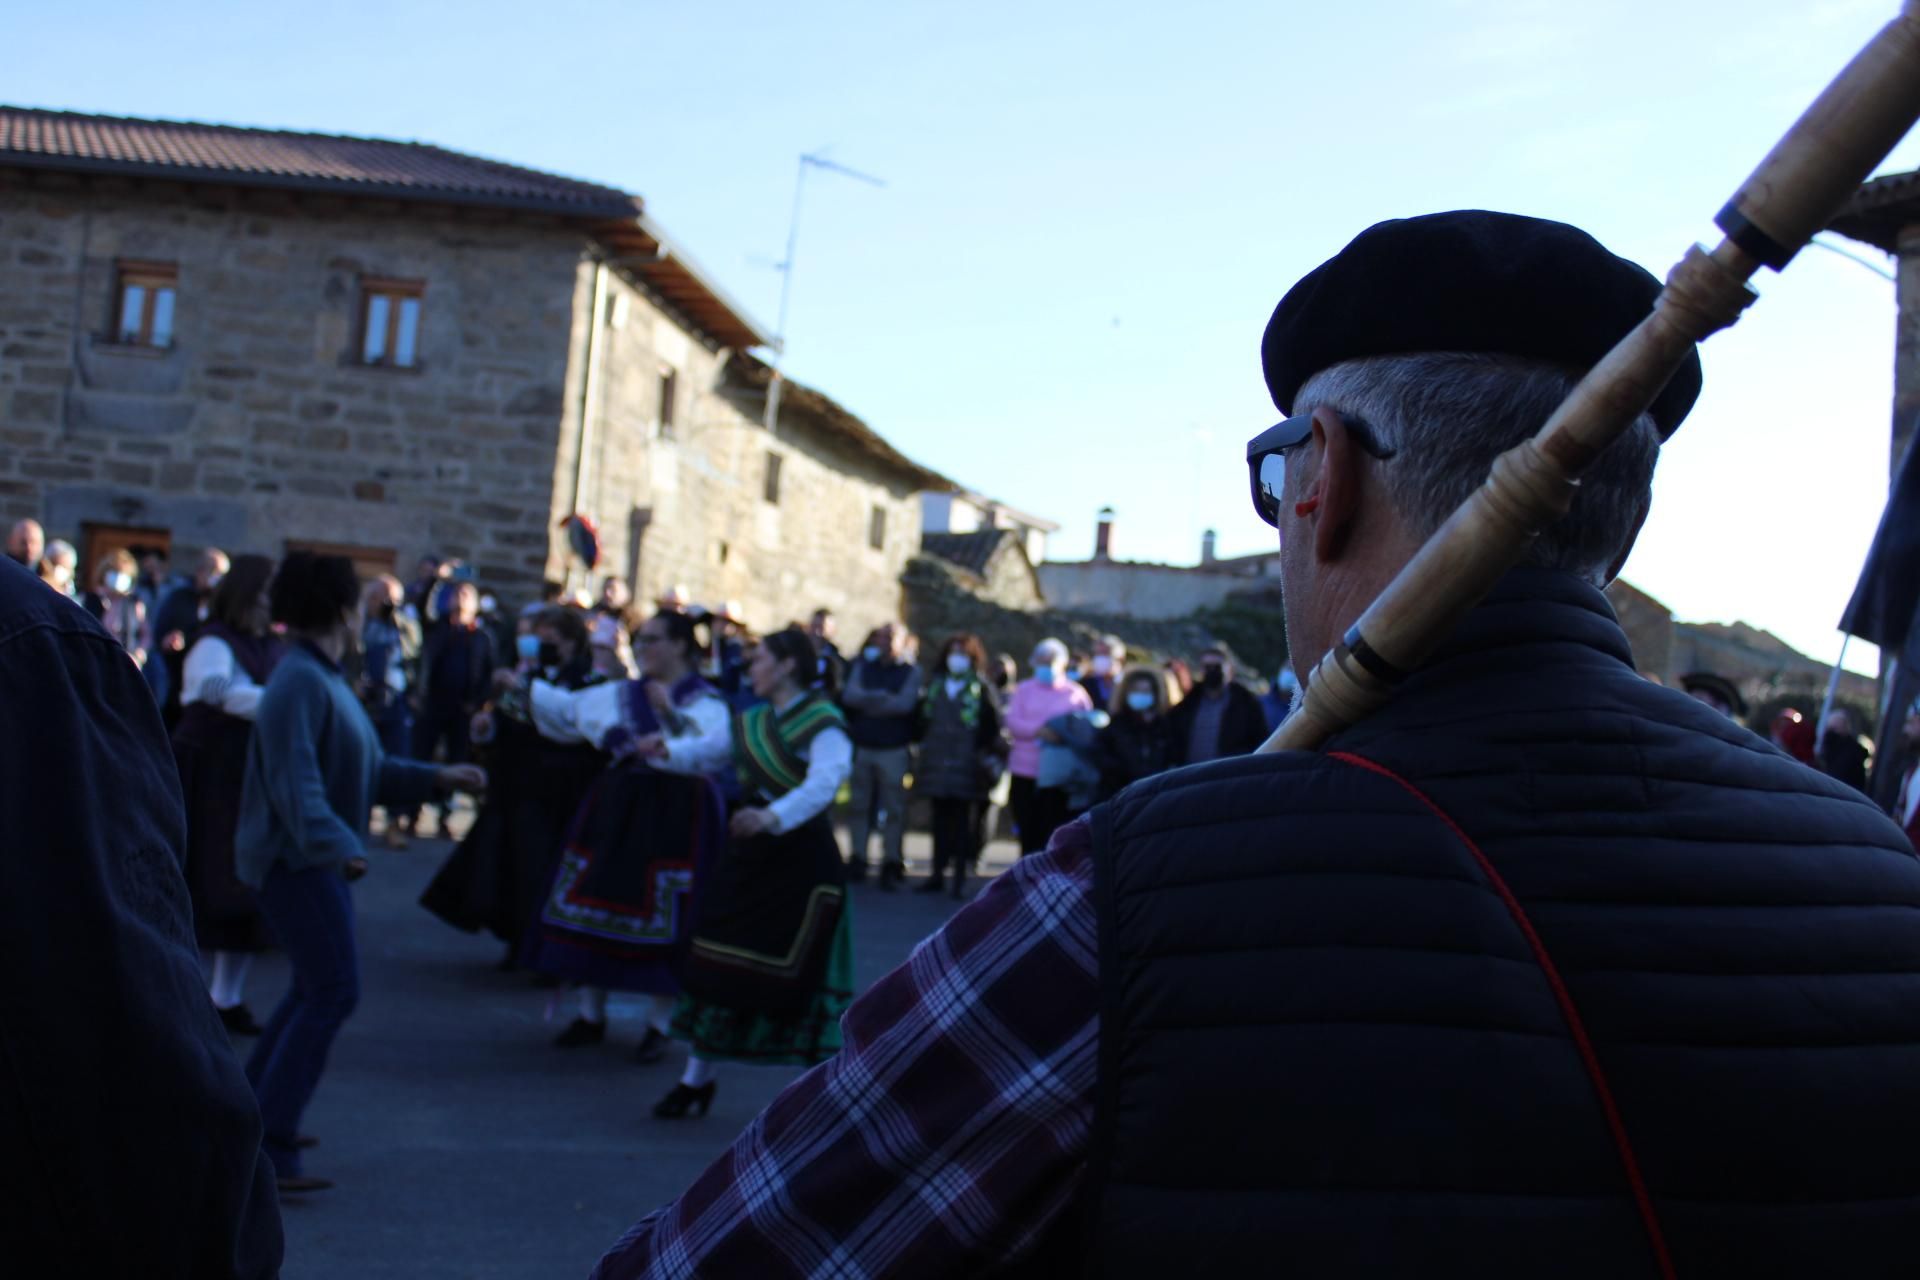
(528, 647)
(488, 604)
(1212, 677)
(1044, 672)
(120, 583)
(871, 653)
(1140, 700)
(1102, 665)
(959, 663)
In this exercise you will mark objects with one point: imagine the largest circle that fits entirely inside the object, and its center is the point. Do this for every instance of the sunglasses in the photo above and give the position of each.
(1267, 458)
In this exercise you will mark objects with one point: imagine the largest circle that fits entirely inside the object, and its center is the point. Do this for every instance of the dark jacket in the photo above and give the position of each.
(456, 669)
(958, 761)
(1133, 747)
(129, 1140)
(879, 700)
(1341, 989)
(1242, 728)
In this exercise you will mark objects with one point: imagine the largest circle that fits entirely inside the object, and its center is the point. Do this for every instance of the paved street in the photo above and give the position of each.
(464, 1145)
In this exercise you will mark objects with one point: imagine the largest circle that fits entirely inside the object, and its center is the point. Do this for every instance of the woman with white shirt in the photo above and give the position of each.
(221, 681)
(618, 912)
(770, 967)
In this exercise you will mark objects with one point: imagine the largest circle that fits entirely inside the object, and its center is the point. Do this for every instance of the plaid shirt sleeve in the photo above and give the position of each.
(950, 1131)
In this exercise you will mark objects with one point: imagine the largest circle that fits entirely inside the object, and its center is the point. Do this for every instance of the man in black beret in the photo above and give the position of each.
(1542, 970)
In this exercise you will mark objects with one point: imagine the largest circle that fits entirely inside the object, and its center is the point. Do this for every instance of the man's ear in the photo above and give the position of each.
(1645, 508)
(1336, 484)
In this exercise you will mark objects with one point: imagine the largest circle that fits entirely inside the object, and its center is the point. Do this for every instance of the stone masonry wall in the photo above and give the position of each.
(258, 426)
(686, 506)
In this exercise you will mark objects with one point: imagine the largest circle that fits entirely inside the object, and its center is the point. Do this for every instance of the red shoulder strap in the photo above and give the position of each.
(1568, 1010)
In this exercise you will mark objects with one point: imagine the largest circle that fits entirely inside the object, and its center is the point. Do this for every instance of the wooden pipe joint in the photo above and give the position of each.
(1703, 296)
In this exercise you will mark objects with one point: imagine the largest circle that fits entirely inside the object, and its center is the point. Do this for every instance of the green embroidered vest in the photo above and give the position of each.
(769, 748)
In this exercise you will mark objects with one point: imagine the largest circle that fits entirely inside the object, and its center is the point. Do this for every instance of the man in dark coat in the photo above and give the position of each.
(129, 1140)
(1220, 718)
(1540, 970)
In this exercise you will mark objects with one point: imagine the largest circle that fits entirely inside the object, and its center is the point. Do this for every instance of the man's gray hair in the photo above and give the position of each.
(1448, 415)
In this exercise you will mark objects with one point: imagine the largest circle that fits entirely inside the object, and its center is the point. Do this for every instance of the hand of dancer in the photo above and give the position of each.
(463, 777)
(751, 822)
(354, 868)
(652, 746)
(657, 695)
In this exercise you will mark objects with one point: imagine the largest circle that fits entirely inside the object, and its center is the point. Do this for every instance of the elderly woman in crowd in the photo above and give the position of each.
(113, 602)
(1039, 810)
(59, 565)
(224, 674)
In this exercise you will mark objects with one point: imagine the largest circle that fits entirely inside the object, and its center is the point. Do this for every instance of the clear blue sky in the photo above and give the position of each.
(1092, 208)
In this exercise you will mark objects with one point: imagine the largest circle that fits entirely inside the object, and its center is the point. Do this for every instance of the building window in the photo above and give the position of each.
(390, 322)
(721, 551)
(669, 388)
(143, 305)
(771, 491)
(877, 528)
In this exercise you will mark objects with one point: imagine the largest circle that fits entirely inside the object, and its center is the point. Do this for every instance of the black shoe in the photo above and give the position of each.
(933, 884)
(652, 1047)
(891, 875)
(685, 1098)
(293, 1184)
(239, 1021)
(580, 1032)
(856, 872)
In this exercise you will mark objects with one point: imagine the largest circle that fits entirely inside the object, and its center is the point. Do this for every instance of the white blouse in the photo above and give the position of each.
(829, 761)
(590, 714)
(211, 658)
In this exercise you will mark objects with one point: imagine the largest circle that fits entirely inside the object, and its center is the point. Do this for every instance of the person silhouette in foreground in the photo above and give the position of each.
(129, 1140)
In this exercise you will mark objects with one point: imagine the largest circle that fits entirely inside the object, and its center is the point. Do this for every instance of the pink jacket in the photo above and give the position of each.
(1029, 709)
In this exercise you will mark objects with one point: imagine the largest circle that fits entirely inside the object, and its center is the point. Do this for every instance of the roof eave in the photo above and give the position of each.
(346, 187)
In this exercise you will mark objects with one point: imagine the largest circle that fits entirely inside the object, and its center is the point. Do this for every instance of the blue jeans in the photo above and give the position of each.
(311, 913)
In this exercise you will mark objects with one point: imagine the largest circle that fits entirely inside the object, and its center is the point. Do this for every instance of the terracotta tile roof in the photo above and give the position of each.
(68, 140)
(374, 168)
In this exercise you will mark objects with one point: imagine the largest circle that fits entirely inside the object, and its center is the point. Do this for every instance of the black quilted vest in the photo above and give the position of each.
(1330, 1048)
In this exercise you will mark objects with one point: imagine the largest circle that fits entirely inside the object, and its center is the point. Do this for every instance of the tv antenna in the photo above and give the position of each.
(812, 160)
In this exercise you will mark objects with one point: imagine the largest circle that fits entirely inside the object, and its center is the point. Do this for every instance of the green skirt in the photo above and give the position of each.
(717, 1032)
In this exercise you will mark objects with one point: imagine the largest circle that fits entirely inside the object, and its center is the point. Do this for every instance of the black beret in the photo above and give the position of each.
(1469, 280)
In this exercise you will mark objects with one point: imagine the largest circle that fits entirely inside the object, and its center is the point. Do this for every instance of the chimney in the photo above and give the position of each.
(1206, 546)
(1103, 535)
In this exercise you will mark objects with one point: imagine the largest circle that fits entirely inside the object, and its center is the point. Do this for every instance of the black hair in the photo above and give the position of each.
(683, 633)
(246, 578)
(313, 592)
(795, 645)
(567, 624)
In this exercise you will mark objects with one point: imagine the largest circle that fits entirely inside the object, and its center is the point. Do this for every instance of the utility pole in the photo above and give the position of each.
(809, 161)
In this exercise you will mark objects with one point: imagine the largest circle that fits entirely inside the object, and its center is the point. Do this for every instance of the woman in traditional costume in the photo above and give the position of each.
(619, 910)
(222, 678)
(498, 876)
(770, 967)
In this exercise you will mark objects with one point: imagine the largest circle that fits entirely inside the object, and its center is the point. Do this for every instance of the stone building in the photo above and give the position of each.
(993, 563)
(1885, 213)
(264, 340)
(958, 512)
(1146, 589)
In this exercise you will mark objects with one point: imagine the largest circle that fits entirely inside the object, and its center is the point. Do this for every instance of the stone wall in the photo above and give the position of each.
(687, 505)
(1136, 590)
(258, 427)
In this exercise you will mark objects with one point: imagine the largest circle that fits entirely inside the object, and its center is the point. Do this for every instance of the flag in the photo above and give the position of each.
(1884, 599)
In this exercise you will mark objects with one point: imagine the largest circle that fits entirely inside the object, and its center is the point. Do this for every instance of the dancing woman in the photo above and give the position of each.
(224, 674)
(770, 968)
(618, 912)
